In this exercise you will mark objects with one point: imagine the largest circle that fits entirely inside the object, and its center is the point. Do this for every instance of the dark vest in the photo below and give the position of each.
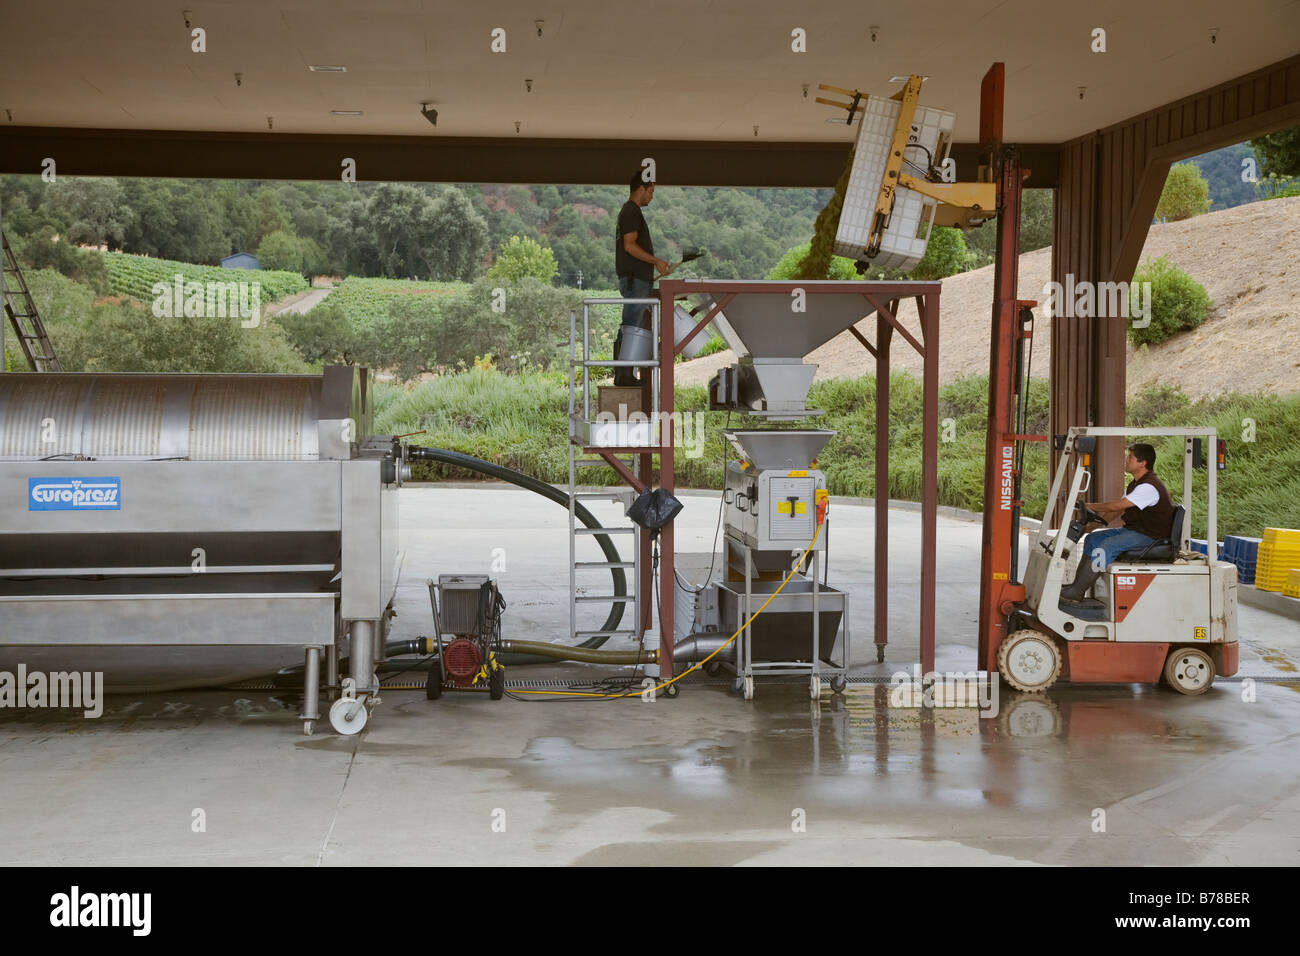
(1157, 521)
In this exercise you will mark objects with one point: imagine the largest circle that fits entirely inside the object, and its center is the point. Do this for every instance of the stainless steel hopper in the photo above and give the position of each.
(770, 340)
(779, 448)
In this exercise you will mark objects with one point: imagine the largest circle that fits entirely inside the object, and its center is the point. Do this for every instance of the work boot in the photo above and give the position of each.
(1084, 579)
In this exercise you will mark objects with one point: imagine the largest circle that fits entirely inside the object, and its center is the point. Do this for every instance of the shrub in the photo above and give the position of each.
(520, 258)
(1186, 194)
(841, 268)
(1178, 302)
(1155, 401)
(945, 255)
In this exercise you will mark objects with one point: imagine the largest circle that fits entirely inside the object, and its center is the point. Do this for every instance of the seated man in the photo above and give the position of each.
(1147, 512)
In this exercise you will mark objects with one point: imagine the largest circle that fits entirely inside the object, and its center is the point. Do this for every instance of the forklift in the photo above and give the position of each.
(1165, 612)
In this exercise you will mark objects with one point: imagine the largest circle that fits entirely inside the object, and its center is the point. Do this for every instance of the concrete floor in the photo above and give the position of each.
(704, 778)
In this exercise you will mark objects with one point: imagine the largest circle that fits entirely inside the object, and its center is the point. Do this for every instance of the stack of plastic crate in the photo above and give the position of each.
(1243, 552)
(1279, 552)
(1292, 586)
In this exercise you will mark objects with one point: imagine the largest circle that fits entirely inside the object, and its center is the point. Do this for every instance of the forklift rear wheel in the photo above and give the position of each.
(1189, 670)
(433, 685)
(496, 684)
(1029, 660)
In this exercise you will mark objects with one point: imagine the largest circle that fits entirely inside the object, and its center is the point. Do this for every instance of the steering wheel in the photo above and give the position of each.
(1087, 514)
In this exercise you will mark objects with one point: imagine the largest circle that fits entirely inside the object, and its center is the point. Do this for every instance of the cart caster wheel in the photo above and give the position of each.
(738, 685)
(669, 690)
(839, 683)
(815, 687)
(880, 653)
(749, 688)
(433, 684)
(348, 717)
(497, 684)
(307, 727)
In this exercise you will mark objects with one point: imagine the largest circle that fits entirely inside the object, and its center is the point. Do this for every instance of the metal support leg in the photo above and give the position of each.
(311, 688)
(311, 684)
(332, 670)
(362, 652)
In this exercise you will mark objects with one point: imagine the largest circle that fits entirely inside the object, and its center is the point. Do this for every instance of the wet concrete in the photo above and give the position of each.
(704, 778)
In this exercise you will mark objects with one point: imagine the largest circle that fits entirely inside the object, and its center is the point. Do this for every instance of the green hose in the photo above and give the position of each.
(587, 655)
(535, 485)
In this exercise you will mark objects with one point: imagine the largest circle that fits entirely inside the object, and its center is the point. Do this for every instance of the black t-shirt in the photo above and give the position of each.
(631, 220)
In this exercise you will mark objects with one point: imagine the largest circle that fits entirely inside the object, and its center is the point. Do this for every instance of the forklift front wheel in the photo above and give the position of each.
(1189, 670)
(1029, 660)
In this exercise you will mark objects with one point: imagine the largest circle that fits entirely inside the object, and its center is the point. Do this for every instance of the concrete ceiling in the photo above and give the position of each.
(667, 70)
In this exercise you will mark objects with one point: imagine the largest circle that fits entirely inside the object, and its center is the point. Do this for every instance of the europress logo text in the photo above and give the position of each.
(74, 494)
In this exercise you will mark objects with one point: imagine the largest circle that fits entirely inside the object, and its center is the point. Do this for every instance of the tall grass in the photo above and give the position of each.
(520, 421)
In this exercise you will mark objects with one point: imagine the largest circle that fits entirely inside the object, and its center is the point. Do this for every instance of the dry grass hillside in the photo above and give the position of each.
(1248, 259)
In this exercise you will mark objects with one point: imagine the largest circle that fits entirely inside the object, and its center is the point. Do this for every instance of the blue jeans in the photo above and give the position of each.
(630, 287)
(1111, 542)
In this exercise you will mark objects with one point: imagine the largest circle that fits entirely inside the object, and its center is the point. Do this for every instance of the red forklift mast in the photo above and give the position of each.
(1012, 328)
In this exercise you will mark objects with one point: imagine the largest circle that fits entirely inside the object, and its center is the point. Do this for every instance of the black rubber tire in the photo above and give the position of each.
(497, 683)
(670, 691)
(433, 684)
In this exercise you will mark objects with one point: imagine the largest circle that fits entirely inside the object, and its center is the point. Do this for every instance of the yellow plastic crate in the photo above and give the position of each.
(1286, 537)
(1292, 586)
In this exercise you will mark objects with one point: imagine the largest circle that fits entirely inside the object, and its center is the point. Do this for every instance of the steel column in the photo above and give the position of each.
(884, 332)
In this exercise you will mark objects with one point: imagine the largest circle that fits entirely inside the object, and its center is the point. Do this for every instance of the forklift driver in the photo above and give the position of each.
(1148, 516)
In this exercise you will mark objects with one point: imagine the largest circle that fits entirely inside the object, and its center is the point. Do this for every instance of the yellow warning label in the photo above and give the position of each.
(1198, 633)
(800, 507)
(796, 474)
(999, 576)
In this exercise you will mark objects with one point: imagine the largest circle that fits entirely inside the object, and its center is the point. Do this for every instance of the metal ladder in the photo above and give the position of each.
(631, 532)
(25, 320)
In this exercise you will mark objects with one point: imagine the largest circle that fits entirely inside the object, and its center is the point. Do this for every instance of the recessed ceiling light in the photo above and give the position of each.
(315, 68)
(346, 113)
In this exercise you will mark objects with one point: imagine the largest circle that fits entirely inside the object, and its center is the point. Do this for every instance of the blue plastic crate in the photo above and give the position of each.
(1240, 548)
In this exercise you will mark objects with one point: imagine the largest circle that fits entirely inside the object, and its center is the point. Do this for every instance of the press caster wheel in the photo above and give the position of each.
(497, 684)
(815, 687)
(307, 727)
(348, 716)
(738, 685)
(749, 688)
(839, 683)
(433, 684)
(880, 653)
(669, 691)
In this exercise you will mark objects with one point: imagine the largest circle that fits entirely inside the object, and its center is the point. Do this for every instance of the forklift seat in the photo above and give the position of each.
(1160, 550)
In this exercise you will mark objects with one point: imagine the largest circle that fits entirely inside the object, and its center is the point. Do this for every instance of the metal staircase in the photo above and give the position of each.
(21, 310)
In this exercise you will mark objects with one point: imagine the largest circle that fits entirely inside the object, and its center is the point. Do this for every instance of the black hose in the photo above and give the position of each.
(537, 486)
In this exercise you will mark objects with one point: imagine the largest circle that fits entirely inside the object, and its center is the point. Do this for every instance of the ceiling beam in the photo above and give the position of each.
(293, 156)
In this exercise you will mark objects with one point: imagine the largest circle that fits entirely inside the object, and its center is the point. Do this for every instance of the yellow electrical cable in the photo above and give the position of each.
(637, 693)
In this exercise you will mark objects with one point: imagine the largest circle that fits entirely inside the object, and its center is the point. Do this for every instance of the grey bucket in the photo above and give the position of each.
(638, 345)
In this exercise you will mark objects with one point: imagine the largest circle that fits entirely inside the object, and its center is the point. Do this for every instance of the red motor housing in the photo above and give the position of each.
(461, 660)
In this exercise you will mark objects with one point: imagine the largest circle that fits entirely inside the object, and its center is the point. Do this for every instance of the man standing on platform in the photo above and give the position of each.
(635, 263)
